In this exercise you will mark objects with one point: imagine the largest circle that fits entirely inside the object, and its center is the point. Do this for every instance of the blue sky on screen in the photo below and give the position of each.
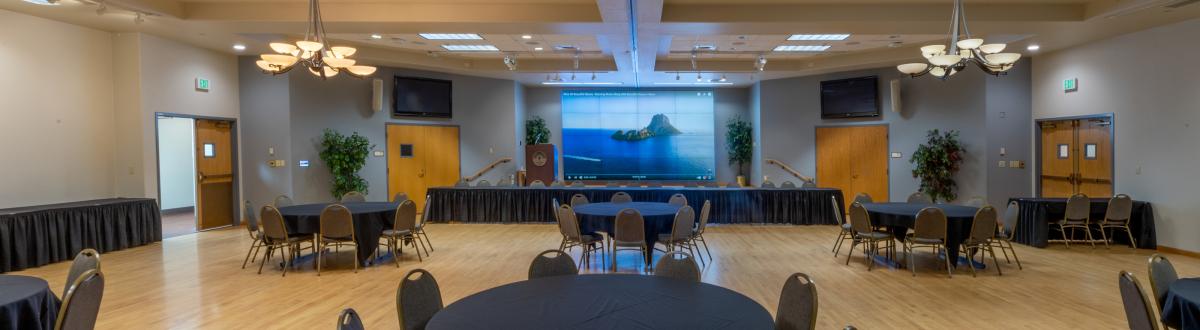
(689, 111)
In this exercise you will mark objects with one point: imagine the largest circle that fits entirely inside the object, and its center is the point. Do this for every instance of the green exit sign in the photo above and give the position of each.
(1070, 85)
(202, 84)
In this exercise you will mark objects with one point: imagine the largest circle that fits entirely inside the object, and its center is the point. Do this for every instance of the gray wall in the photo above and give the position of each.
(1009, 127)
(266, 123)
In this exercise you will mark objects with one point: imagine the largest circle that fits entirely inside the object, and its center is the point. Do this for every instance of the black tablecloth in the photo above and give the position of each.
(39, 235)
(610, 301)
(601, 217)
(801, 206)
(1037, 215)
(26, 303)
(899, 217)
(370, 219)
(1181, 308)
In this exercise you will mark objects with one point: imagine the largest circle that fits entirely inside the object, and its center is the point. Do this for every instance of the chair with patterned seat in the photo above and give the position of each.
(336, 230)
(629, 233)
(621, 197)
(860, 222)
(417, 299)
(590, 243)
(919, 198)
(678, 265)
(1116, 216)
(1139, 313)
(552, 263)
(353, 197)
(929, 230)
(81, 302)
(678, 200)
(983, 229)
(85, 260)
(1077, 216)
(797, 304)
(1006, 230)
(846, 232)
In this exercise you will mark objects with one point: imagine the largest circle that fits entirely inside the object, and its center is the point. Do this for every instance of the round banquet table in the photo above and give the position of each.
(607, 301)
(659, 218)
(370, 219)
(900, 217)
(1181, 308)
(27, 303)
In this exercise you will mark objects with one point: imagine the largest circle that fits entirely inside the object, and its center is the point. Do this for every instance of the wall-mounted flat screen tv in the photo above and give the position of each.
(850, 98)
(422, 97)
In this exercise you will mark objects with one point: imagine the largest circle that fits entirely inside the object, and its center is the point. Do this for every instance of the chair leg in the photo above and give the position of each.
(354, 258)
(320, 255)
(872, 251)
(1087, 230)
(853, 243)
(705, 242)
(908, 254)
(426, 236)
(995, 261)
(287, 261)
(1132, 244)
(970, 259)
(949, 268)
(395, 252)
(1002, 251)
(263, 261)
(248, 252)
(416, 248)
(837, 242)
(1066, 241)
(1014, 254)
(614, 259)
(1103, 236)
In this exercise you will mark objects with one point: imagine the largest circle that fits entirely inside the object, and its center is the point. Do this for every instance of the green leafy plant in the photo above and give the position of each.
(936, 163)
(345, 156)
(536, 131)
(739, 140)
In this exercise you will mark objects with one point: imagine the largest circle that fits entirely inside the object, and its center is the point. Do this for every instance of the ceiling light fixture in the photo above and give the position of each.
(138, 19)
(801, 48)
(101, 8)
(723, 78)
(1033, 47)
(946, 60)
(471, 48)
(510, 61)
(313, 53)
(376, 36)
(537, 49)
(451, 36)
(761, 63)
(698, 77)
(526, 36)
(811, 37)
(239, 47)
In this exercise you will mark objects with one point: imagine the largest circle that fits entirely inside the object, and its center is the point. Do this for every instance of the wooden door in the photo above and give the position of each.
(420, 157)
(1058, 158)
(1076, 157)
(1094, 176)
(833, 159)
(214, 174)
(854, 160)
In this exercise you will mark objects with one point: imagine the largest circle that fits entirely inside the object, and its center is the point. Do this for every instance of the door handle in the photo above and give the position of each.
(200, 176)
(421, 173)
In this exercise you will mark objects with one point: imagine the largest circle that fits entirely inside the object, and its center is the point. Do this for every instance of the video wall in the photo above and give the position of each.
(638, 135)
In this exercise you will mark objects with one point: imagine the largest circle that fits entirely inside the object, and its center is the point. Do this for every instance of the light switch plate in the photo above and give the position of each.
(378, 153)
(897, 155)
(1015, 164)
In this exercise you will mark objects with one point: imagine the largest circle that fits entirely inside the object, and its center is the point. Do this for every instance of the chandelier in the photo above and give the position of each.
(313, 53)
(963, 50)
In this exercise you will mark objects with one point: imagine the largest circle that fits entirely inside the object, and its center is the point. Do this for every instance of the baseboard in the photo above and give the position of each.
(179, 210)
(1171, 250)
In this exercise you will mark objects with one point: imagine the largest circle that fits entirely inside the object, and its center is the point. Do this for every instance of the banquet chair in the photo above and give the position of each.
(400, 197)
(255, 234)
(568, 224)
(983, 228)
(578, 184)
(621, 197)
(349, 320)
(552, 263)
(860, 222)
(282, 201)
(788, 184)
(505, 182)
(977, 201)
(461, 183)
(404, 225)
(537, 184)
(629, 233)
(847, 232)
(1077, 216)
(557, 184)
(919, 198)
(1162, 274)
(767, 184)
(578, 199)
(85, 260)
(353, 197)
(929, 230)
(554, 204)
(797, 304)
(863, 198)
(1007, 227)
(678, 200)
(275, 237)
(337, 229)
(81, 302)
(698, 234)
(677, 265)
(681, 231)
(1138, 312)
(1117, 217)
(421, 221)
(483, 183)
(417, 299)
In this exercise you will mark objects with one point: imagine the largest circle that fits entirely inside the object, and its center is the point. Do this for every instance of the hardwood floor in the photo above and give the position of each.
(196, 281)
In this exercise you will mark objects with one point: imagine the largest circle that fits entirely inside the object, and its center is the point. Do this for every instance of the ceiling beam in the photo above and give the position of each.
(392, 12)
(750, 13)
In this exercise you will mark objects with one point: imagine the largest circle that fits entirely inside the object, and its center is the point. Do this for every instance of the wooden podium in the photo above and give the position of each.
(541, 163)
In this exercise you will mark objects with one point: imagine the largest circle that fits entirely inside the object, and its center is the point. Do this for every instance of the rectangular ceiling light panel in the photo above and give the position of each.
(801, 48)
(451, 36)
(471, 48)
(810, 37)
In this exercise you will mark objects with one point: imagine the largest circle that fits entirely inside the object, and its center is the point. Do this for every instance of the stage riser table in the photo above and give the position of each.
(1038, 215)
(801, 206)
(40, 235)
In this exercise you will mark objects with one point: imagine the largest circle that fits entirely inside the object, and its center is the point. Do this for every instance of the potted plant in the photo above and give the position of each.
(936, 162)
(345, 156)
(739, 141)
(540, 157)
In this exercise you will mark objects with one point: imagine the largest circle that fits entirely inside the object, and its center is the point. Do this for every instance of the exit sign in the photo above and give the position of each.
(202, 84)
(1070, 85)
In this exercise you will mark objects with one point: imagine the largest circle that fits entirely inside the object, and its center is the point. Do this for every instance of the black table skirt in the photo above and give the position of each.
(729, 205)
(900, 217)
(27, 303)
(1181, 306)
(1039, 214)
(39, 235)
(370, 219)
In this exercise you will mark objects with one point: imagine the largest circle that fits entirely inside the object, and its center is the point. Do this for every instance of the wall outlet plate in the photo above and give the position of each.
(1016, 164)
(378, 153)
(1003, 164)
(897, 155)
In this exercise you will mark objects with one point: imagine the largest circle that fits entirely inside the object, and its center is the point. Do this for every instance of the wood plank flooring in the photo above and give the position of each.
(196, 281)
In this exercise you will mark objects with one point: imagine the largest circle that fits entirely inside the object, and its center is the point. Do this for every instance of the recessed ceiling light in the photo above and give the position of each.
(239, 47)
(526, 36)
(1033, 47)
(451, 36)
(471, 48)
(538, 48)
(796, 37)
(43, 2)
(376, 36)
(801, 48)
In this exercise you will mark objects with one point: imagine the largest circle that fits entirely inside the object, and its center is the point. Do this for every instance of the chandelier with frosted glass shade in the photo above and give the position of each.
(313, 53)
(962, 50)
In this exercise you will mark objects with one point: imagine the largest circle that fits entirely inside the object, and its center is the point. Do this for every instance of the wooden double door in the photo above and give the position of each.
(419, 157)
(1076, 157)
(214, 174)
(854, 159)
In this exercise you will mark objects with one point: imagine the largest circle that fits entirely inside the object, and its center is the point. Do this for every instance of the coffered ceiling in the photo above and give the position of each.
(712, 38)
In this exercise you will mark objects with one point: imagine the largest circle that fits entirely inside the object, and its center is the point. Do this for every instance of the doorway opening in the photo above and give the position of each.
(1075, 156)
(854, 159)
(196, 181)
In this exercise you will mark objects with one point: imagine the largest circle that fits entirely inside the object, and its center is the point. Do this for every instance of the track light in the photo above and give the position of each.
(722, 78)
(761, 63)
(510, 62)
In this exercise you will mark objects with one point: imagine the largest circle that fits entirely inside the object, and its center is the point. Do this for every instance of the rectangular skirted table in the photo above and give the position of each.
(1039, 214)
(37, 235)
(801, 206)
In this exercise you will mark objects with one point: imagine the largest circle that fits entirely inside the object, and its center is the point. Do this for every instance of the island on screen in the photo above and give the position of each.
(638, 135)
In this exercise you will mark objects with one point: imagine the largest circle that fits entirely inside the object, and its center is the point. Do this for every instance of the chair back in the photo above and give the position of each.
(685, 219)
(349, 320)
(568, 224)
(797, 304)
(250, 219)
(621, 197)
(557, 184)
(705, 212)
(983, 226)
(578, 199)
(85, 260)
(678, 200)
(406, 216)
(767, 184)
(612, 184)
(931, 223)
(976, 201)
(678, 265)
(282, 201)
(787, 184)
(1138, 312)
(860, 219)
(578, 184)
(919, 198)
(554, 208)
(863, 198)
(353, 197)
(504, 182)
(337, 222)
(1079, 208)
(630, 226)
(461, 183)
(483, 183)
(1119, 209)
(425, 212)
(81, 302)
(1162, 274)
(537, 184)
(1008, 225)
(272, 224)
(837, 210)
(417, 299)
(552, 263)
(400, 197)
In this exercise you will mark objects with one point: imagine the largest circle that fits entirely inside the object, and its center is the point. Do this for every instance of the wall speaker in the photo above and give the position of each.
(895, 87)
(377, 95)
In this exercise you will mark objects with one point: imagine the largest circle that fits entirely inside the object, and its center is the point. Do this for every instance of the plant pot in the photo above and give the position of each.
(741, 180)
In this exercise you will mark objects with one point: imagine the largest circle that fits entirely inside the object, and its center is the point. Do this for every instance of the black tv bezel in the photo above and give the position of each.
(395, 103)
(878, 107)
